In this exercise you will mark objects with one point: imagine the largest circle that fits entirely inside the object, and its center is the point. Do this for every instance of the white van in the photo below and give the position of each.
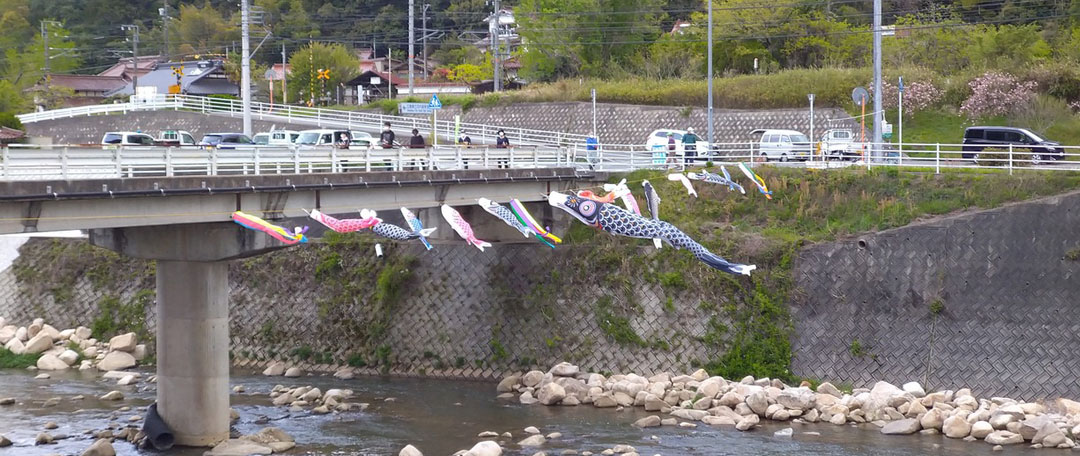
(321, 137)
(126, 138)
(783, 145)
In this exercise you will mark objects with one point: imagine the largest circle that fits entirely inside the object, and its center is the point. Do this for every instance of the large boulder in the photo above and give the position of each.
(485, 448)
(551, 394)
(828, 388)
(100, 447)
(932, 419)
(532, 378)
(51, 362)
(1004, 438)
(239, 447)
(711, 387)
(7, 333)
(83, 333)
(956, 427)
(15, 346)
(880, 396)
(68, 356)
(275, 369)
(981, 429)
(50, 331)
(532, 441)
(747, 423)
(410, 450)
(123, 342)
(507, 384)
(648, 422)
(1032, 426)
(914, 388)
(564, 370)
(38, 344)
(797, 398)
(116, 360)
(901, 427)
(758, 402)
(294, 372)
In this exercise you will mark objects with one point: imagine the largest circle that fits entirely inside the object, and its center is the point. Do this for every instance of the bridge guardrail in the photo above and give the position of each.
(319, 117)
(28, 162)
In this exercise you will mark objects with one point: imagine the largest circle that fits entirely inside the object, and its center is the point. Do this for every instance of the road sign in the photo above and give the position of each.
(414, 108)
(901, 84)
(860, 96)
(324, 74)
(435, 103)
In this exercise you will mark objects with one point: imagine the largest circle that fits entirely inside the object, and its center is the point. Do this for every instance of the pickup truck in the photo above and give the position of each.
(175, 138)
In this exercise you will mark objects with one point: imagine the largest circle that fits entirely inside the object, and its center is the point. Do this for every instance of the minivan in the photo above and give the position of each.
(126, 138)
(978, 138)
(783, 145)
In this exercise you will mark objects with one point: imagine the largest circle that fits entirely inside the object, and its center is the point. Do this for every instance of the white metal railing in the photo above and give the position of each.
(27, 162)
(444, 129)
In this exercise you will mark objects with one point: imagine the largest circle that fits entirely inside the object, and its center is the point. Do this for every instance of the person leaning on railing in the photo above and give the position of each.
(502, 142)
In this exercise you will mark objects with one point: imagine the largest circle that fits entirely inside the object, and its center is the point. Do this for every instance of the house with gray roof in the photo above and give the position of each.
(203, 77)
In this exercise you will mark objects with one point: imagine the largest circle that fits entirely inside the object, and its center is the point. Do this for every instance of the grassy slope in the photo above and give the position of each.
(749, 327)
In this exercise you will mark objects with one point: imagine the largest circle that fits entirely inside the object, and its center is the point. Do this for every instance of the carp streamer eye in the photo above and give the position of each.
(587, 208)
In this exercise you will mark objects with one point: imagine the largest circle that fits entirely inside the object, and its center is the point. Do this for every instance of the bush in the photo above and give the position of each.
(997, 94)
(9, 360)
(9, 120)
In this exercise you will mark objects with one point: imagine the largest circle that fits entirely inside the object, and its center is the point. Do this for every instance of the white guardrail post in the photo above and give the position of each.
(937, 158)
(1010, 159)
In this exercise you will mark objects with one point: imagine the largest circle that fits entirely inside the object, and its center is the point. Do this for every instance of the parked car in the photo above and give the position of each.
(174, 138)
(362, 138)
(322, 137)
(261, 139)
(978, 138)
(839, 144)
(658, 140)
(283, 137)
(783, 145)
(225, 140)
(127, 138)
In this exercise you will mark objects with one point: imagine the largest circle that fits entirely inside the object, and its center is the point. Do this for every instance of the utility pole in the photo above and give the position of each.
(134, 56)
(245, 66)
(165, 29)
(284, 76)
(412, 42)
(45, 37)
(712, 143)
(423, 33)
(494, 32)
(878, 115)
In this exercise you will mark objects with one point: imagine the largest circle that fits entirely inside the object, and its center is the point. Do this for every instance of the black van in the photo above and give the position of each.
(978, 138)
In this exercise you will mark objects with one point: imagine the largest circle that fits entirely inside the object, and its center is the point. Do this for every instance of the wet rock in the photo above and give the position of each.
(914, 388)
(570, 400)
(50, 425)
(527, 398)
(139, 353)
(100, 447)
(932, 419)
(532, 430)
(786, 432)
(4, 442)
(564, 370)
(532, 378)
(343, 374)
(1004, 438)
(532, 441)
(485, 448)
(311, 395)
(239, 447)
(123, 342)
(42, 377)
(623, 449)
(956, 427)
(320, 410)
(717, 421)
(981, 429)
(38, 344)
(748, 422)
(507, 384)
(281, 447)
(410, 450)
(488, 435)
(294, 372)
(551, 393)
(116, 360)
(43, 439)
(112, 396)
(758, 403)
(648, 422)
(901, 427)
(275, 369)
(127, 380)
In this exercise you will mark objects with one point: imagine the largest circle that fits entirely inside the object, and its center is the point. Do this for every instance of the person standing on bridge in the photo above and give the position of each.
(502, 142)
(689, 141)
(386, 138)
(417, 141)
(671, 151)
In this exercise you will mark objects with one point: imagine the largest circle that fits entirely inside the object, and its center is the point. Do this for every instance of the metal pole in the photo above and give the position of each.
(245, 66)
(594, 112)
(812, 141)
(494, 32)
(423, 32)
(878, 115)
(389, 74)
(412, 42)
(900, 121)
(45, 36)
(165, 29)
(712, 142)
(135, 59)
(284, 76)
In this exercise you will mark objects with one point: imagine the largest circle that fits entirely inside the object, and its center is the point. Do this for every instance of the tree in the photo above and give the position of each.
(203, 30)
(306, 62)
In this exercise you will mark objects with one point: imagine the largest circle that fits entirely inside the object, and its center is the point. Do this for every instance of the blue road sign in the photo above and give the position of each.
(435, 103)
(414, 108)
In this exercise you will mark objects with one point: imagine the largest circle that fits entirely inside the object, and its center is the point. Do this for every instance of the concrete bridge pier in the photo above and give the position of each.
(192, 317)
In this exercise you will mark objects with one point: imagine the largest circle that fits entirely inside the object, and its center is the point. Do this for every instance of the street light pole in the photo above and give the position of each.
(134, 56)
(494, 32)
(878, 115)
(812, 142)
(412, 42)
(712, 141)
(245, 66)
(423, 33)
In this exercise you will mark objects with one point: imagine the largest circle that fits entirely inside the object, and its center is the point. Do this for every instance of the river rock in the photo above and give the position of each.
(1047, 429)
(312, 395)
(1032, 426)
(719, 420)
(410, 450)
(1004, 438)
(532, 441)
(83, 332)
(1001, 421)
(901, 427)
(116, 360)
(981, 429)
(69, 357)
(38, 344)
(527, 398)
(51, 362)
(34, 329)
(239, 447)
(269, 435)
(7, 401)
(15, 346)
(275, 369)
(485, 448)
(932, 419)
(828, 388)
(796, 398)
(731, 399)
(551, 394)
(604, 401)
(50, 331)
(21, 334)
(653, 403)
(532, 378)
(747, 422)
(4, 442)
(1054, 440)
(1067, 406)
(507, 384)
(531, 430)
(345, 373)
(955, 427)
(7, 333)
(914, 388)
(564, 370)
(711, 387)
(139, 353)
(123, 342)
(294, 372)
(43, 439)
(758, 402)
(100, 447)
(112, 396)
(879, 397)
(648, 422)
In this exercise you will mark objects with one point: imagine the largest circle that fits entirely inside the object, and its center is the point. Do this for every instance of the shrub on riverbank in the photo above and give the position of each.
(9, 360)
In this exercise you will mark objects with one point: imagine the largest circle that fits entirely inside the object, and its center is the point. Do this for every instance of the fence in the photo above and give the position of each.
(444, 129)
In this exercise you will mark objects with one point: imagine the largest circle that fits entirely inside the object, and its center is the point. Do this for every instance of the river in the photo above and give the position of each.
(437, 416)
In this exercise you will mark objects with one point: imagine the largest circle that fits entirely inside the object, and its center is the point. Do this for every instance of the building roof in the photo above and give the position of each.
(124, 66)
(280, 71)
(203, 77)
(394, 79)
(87, 82)
(10, 134)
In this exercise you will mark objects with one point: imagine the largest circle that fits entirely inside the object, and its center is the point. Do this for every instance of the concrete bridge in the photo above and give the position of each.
(184, 224)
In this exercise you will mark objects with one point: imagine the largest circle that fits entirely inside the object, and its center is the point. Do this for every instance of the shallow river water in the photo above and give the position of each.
(439, 417)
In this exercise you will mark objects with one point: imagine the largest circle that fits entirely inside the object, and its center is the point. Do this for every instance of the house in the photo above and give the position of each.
(125, 69)
(373, 85)
(279, 71)
(204, 77)
(11, 135)
(87, 89)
